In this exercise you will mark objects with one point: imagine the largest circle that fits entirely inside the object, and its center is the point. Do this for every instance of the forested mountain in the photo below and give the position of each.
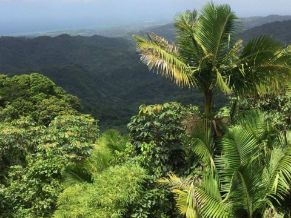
(280, 30)
(251, 22)
(34, 96)
(246, 23)
(105, 73)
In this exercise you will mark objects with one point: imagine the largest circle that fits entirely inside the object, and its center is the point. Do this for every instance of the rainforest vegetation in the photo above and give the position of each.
(224, 159)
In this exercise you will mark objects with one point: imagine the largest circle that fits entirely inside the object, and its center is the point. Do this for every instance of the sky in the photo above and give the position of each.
(26, 16)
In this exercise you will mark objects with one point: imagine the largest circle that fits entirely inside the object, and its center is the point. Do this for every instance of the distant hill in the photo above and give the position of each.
(251, 22)
(168, 30)
(124, 31)
(160, 27)
(104, 72)
(278, 30)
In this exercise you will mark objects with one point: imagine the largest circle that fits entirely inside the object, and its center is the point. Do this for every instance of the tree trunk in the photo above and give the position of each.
(208, 105)
(234, 109)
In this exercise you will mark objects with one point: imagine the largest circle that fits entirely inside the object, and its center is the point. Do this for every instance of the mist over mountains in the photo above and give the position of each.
(105, 72)
(247, 25)
(158, 26)
(23, 17)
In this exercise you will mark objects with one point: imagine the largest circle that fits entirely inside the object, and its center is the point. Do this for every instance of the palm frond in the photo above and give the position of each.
(160, 55)
(203, 144)
(280, 170)
(222, 83)
(263, 67)
(238, 149)
(215, 25)
(185, 202)
(176, 182)
(183, 190)
(232, 57)
(254, 122)
(209, 201)
(189, 48)
(195, 200)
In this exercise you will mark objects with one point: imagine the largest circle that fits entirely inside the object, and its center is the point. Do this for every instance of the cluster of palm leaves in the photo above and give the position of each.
(208, 55)
(246, 173)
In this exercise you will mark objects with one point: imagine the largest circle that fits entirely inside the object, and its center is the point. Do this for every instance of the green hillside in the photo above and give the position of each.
(280, 30)
(249, 25)
(105, 73)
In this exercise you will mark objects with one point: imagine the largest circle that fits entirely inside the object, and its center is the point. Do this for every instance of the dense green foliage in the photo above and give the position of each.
(277, 109)
(109, 195)
(159, 137)
(42, 134)
(103, 72)
(249, 178)
(35, 96)
(159, 144)
(175, 162)
(34, 158)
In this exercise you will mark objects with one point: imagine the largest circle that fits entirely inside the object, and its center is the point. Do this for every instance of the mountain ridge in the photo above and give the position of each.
(279, 30)
(127, 30)
(105, 73)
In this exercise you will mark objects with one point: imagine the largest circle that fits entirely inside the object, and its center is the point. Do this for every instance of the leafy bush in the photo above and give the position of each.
(107, 151)
(35, 177)
(73, 135)
(36, 96)
(277, 109)
(109, 195)
(155, 202)
(17, 139)
(158, 144)
(157, 134)
(33, 190)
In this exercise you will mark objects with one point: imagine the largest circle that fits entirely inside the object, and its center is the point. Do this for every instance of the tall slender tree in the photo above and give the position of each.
(206, 55)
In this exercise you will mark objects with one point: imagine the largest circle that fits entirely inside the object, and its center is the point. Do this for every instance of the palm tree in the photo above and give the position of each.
(207, 56)
(250, 177)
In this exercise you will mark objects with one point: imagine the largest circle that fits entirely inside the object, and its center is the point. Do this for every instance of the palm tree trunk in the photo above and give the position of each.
(234, 109)
(208, 105)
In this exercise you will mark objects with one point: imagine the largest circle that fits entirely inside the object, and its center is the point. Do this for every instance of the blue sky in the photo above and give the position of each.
(20, 16)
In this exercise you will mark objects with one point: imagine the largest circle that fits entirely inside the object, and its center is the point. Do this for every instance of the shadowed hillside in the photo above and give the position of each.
(278, 30)
(105, 73)
(251, 22)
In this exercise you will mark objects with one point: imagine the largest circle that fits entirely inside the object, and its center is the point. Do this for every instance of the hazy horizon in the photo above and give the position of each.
(26, 16)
